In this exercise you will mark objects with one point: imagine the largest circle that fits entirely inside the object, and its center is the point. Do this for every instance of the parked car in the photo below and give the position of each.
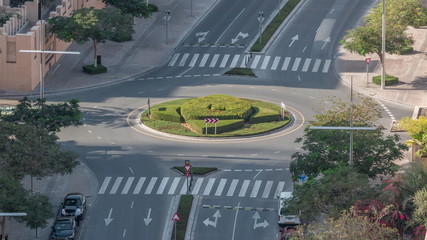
(71, 202)
(64, 229)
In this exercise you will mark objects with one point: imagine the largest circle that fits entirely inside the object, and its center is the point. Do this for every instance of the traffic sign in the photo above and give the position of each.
(187, 162)
(187, 167)
(367, 60)
(303, 178)
(176, 217)
(211, 120)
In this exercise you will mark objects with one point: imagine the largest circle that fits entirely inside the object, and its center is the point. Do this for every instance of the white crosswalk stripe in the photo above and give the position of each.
(179, 185)
(127, 185)
(174, 185)
(261, 62)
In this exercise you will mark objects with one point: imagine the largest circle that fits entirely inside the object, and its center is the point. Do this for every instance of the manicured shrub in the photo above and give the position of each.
(389, 80)
(264, 115)
(216, 106)
(167, 113)
(91, 69)
(222, 126)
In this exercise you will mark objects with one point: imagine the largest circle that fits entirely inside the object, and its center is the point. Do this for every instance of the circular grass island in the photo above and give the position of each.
(237, 116)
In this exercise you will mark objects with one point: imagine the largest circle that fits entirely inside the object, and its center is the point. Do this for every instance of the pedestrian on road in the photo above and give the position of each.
(63, 212)
(78, 215)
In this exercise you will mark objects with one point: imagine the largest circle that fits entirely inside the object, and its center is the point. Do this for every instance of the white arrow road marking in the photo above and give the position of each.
(109, 219)
(147, 220)
(293, 40)
(201, 36)
(326, 42)
(208, 222)
(257, 225)
(243, 35)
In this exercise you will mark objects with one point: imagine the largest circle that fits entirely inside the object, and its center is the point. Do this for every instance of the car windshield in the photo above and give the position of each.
(72, 202)
(63, 226)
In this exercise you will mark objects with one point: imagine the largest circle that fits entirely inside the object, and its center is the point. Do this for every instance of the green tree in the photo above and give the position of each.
(373, 153)
(334, 192)
(366, 39)
(50, 117)
(28, 150)
(417, 129)
(96, 25)
(14, 198)
(348, 226)
(136, 8)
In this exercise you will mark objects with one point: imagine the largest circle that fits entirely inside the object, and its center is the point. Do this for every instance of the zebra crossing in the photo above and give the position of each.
(200, 186)
(262, 62)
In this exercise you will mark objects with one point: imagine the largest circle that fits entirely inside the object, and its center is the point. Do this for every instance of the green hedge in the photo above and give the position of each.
(389, 80)
(167, 113)
(216, 106)
(262, 114)
(222, 126)
(94, 70)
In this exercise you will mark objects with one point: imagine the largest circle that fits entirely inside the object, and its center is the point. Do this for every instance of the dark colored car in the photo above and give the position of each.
(64, 229)
(71, 202)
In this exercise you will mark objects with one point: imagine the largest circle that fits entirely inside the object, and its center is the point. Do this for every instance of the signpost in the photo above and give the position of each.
(367, 61)
(282, 110)
(303, 178)
(174, 219)
(187, 173)
(211, 120)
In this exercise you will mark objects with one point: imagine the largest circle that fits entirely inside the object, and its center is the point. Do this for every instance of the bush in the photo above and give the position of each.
(91, 69)
(389, 80)
(152, 8)
(216, 106)
(262, 114)
(167, 113)
(222, 126)
(241, 71)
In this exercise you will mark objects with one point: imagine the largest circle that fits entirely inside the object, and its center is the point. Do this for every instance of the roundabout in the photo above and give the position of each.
(296, 121)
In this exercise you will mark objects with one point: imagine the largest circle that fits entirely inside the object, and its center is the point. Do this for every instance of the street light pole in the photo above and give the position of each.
(260, 20)
(167, 18)
(383, 47)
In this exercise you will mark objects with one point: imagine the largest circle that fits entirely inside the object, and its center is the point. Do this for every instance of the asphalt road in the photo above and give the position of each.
(133, 166)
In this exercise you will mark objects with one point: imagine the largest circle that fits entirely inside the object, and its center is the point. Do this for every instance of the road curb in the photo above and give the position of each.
(192, 218)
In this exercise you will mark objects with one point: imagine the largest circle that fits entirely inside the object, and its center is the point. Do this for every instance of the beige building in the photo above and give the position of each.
(21, 71)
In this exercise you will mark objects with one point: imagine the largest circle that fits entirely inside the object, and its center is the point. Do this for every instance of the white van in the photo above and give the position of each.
(285, 219)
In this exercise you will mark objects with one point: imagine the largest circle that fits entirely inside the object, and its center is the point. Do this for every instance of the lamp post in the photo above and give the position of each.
(3, 222)
(351, 128)
(260, 20)
(167, 18)
(383, 47)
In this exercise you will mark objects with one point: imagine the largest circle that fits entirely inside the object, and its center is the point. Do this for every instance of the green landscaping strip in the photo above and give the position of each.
(197, 170)
(241, 71)
(274, 25)
(184, 209)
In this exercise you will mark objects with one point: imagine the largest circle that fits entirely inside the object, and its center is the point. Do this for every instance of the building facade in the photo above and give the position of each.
(24, 31)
